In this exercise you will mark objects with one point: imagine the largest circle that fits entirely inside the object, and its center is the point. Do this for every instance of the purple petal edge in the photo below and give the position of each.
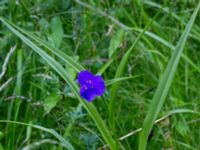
(87, 94)
(99, 86)
(83, 76)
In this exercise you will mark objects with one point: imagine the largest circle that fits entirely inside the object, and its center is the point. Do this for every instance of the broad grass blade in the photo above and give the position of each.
(69, 60)
(119, 72)
(167, 44)
(164, 84)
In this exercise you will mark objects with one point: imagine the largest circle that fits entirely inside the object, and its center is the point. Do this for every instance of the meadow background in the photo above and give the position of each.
(147, 51)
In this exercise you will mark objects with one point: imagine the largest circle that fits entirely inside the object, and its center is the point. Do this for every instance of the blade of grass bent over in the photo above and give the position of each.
(113, 81)
(168, 114)
(120, 70)
(167, 44)
(69, 60)
(195, 30)
(51, 131)
(164, 84)
(62, 72)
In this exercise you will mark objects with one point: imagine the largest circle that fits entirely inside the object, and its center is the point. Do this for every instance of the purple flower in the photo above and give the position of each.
(91, 85)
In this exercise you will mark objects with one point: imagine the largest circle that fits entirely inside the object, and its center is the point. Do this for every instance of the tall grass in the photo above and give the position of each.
(65, 75)
(142, 49)
(164, 83)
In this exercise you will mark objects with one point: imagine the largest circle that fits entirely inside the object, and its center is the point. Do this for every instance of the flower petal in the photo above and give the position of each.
(83, 76)
(88, 94)
(99, 85)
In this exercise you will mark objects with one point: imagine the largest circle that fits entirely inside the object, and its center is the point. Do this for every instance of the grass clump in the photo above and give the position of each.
(137, 46)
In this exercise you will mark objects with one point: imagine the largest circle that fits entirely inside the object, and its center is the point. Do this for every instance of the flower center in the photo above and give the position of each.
(85, 87)
(89, 81)
(89, 84)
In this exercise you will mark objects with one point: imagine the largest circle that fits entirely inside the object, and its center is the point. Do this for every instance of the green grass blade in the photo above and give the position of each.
(167, 115)
(167, 44)
(69, 60)
(51, 131)
(18, 88)
(164, 84)
(195, 30)
(104, 67)
(62, 72)
(119, 72)
(113, 81)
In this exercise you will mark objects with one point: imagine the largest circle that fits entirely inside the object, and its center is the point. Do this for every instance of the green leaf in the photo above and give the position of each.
(70, 69)
(164, 84)
(56, 32)
(182, 128)
(51, 101)
(115, 42)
